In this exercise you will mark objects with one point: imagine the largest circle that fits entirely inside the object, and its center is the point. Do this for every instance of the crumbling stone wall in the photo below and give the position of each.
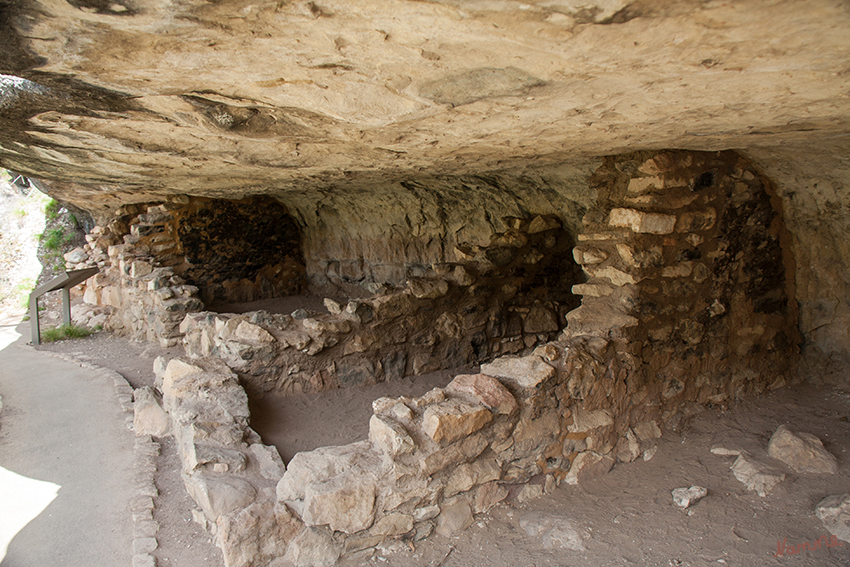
(687, 300)
(506, 298)
(157, 261)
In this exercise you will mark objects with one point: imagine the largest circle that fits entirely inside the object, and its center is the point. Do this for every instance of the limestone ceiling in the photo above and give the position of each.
(242, 96)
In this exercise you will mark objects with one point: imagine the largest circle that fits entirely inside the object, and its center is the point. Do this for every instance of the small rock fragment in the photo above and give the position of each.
(834, 512)
(684, 497)
(556, 532)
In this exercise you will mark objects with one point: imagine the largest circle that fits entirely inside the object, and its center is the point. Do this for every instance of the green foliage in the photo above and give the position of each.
(21, 212)
(51, 209)
(55, 238)
(64, 332)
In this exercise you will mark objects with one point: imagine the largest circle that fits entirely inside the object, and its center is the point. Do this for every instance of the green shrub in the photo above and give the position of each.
(64, 332)
(51, 209)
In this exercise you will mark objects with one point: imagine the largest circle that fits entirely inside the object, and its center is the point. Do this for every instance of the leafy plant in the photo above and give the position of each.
(64, 332)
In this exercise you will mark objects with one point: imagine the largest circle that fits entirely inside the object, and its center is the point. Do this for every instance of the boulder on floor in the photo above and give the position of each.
(802, 452)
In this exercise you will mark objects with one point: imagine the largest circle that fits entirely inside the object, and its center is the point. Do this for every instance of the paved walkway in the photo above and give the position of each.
(62, 433)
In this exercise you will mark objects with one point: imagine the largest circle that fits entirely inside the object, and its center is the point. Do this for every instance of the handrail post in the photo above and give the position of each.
(66, 306)
(36, 332)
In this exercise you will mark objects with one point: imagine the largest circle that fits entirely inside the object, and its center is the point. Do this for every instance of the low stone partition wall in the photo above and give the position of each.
(431, 463)
(429, 325)
(227, 469)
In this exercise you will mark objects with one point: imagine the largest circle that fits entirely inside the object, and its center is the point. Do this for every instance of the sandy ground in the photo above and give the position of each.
(626, 517)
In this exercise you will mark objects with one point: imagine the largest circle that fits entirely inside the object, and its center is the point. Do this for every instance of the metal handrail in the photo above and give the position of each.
(65, 281)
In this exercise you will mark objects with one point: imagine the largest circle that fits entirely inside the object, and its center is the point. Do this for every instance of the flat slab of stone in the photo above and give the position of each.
(345, 503)
(484, 389)
(525, 372)
(756, 475)
(556, 532)
(451, 420)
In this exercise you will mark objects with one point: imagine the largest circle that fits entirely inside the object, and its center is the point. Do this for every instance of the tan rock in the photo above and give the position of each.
(389, 437)
(802, 452)
(468, 475)
(455, 516)
(834, 512)
(587, 466)
(756, 476)
(641, 222)
(485, 390)
(584, 420)
(251, 333)
(617, 277)
(148, 416)
(218, 495)
(313, 547)
(428, 289)
(487, 496)
(451, 420)
(345, 503)
(524, 372)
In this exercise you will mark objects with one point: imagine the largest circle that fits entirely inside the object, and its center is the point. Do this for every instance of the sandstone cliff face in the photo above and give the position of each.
(398, 132)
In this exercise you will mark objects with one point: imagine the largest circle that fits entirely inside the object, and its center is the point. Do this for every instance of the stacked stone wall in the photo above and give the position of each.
(507, 298)
(686, 301)
(157, 261)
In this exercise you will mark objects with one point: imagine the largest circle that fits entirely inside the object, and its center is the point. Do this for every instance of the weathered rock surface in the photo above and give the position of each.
(834, 512)
(802, 452)
(684, 497)
(555, 532)
(756, 475)
(148, 416)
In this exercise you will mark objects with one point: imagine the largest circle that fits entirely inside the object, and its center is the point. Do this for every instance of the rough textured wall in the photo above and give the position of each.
(814, 185)
(159, 261)
(237, 251)
(387, 232)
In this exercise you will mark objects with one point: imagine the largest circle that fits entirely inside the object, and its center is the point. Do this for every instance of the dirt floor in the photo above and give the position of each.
(626, 517)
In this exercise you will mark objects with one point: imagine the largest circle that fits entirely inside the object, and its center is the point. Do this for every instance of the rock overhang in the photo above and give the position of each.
(215, 99)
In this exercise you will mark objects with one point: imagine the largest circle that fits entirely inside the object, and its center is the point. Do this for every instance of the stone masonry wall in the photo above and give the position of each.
(156, 261)
(687, 301)
(506, 298)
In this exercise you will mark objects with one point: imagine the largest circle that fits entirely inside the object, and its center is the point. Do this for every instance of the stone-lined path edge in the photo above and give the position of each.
(145, 452)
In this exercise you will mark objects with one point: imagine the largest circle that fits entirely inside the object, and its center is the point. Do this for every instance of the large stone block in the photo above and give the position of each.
(389, 437)
(317, 466)
(802, 452)
(642, 222)
(148, 416)
(485, 390)
(756, 476)
(451, 420)
(218, 495)
(524, 372)
(345, 503)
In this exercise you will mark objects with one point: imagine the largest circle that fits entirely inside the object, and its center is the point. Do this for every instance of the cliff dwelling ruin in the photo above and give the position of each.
(603, 212)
